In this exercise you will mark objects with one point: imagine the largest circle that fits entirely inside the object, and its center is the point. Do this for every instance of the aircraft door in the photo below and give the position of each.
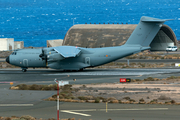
(25, 62)
(87, 60)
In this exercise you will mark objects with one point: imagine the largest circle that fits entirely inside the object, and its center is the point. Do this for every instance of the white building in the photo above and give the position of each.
(6, 44)
(18, 45)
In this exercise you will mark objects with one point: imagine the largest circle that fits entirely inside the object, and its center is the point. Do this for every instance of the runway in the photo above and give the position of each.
(88, 76)
(18, 102)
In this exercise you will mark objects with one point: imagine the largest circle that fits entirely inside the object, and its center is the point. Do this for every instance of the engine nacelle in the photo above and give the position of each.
(54, 57)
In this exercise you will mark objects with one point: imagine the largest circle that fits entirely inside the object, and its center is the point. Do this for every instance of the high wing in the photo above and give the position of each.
(59, 53)
(68, 51)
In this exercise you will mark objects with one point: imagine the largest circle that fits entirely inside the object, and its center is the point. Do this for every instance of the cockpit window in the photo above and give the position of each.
(14, 53)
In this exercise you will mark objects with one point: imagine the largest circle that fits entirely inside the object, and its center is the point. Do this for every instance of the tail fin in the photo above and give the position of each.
(145, 32)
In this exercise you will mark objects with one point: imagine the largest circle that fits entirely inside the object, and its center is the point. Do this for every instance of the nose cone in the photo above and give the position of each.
(7, 59)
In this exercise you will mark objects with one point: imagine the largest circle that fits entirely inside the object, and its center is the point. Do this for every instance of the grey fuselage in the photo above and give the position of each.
(89, 57)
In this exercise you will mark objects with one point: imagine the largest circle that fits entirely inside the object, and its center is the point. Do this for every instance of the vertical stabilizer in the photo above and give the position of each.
(145, 32)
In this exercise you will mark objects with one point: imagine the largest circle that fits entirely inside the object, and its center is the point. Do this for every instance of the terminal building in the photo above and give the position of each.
(108, 35)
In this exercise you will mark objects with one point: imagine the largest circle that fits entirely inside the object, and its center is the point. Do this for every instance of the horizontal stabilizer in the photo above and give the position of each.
(68, 51)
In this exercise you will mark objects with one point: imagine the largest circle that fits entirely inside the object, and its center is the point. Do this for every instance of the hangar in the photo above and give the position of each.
(107, 35)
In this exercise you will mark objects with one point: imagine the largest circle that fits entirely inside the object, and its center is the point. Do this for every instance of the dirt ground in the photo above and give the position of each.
(162, 91)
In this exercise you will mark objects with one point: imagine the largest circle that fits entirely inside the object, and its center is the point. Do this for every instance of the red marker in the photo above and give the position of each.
(123, 80)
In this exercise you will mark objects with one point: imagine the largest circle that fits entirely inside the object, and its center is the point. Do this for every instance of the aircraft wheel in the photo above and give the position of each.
(81, 69)
(24, 70)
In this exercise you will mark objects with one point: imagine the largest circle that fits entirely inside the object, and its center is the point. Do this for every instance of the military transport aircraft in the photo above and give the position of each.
(78, 58)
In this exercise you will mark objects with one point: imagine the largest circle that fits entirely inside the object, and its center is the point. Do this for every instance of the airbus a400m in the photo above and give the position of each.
(78, 58)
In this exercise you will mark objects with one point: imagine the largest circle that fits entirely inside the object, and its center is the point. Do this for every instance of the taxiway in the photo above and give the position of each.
(18, 102)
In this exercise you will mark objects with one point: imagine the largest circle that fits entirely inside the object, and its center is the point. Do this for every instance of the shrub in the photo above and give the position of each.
(67, 87)
(163, 97)
(54, 96)
(137, 79)
(82, 98)
(8, 118)
(127, 98)
(46, 87)
(97, 100)
(172, 77)
(154, 100)
(132, 100)
(114, 101)
(141, 100)
(111, 98)
(35, 87)
(27, 117)
(149, 79)
(23, 87)
(173, 101)
(51, 119)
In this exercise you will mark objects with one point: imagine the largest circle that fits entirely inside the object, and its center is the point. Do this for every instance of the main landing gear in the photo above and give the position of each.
(24, 69)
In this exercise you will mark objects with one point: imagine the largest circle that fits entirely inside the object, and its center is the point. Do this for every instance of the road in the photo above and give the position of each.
(18, 102)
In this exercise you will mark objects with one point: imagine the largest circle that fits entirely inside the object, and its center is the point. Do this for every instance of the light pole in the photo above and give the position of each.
(59, 83)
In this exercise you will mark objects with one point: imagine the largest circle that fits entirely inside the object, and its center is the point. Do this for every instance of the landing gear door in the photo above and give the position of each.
(25, 62)
(87, 60)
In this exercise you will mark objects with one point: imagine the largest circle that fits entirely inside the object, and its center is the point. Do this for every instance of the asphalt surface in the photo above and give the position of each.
(18, 102)
(87, 111)
(88, 76)
(149, 61)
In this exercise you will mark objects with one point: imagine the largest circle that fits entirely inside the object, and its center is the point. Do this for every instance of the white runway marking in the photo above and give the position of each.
(17, 105)
(135, 109)
(75, 113)
(90, 110)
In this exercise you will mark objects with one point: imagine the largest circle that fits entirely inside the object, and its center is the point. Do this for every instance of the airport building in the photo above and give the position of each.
(54, 43)
(107, 35)
(9, 44)
(18, 44)
(6, 44)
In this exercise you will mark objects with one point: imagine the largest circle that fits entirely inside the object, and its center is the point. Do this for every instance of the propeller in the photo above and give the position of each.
(43, 56)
